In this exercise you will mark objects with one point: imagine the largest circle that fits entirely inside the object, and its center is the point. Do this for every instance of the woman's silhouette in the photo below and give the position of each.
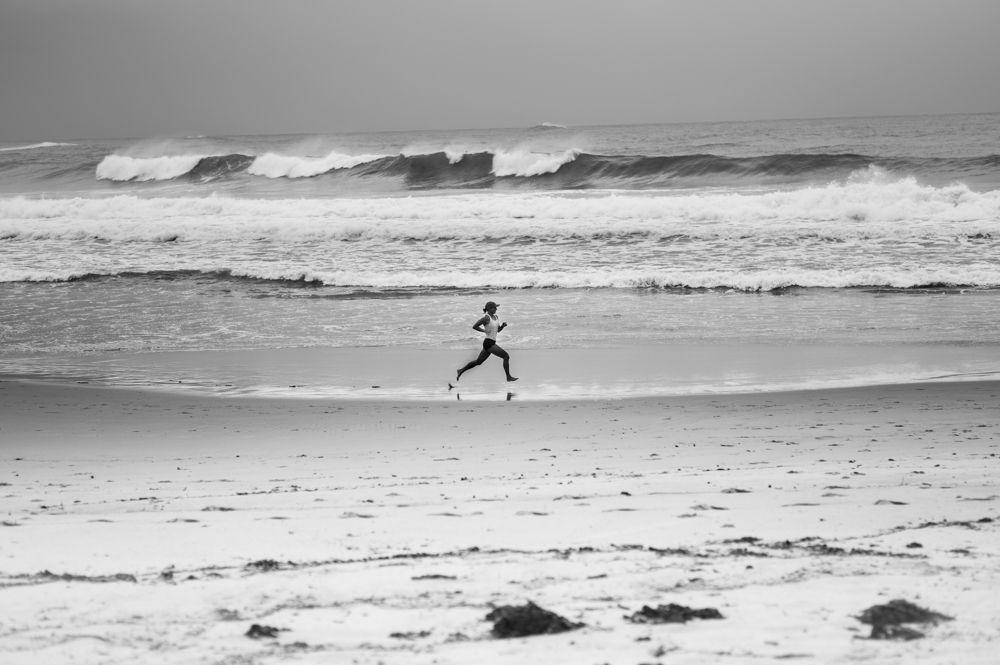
(491, 326)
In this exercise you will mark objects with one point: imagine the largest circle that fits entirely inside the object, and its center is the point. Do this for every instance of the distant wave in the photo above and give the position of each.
(713, 280)
(547, 170)
(35, 146)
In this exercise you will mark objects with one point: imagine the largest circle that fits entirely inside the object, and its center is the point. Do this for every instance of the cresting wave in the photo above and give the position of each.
(561, 169)
(123, 168)
(272, 165)
(446, 165)
(874, 207)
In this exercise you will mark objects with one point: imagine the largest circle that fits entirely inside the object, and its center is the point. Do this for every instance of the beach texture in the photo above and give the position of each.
(699, 529)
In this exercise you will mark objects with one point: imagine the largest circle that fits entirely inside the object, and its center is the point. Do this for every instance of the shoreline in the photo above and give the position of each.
(42, 389)
(180, 520)
(420, 374)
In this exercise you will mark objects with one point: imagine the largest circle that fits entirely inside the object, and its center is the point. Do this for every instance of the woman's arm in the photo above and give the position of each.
(478, 325)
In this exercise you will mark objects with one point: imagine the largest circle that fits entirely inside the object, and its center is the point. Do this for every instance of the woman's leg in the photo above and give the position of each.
(483, 355)
(500, 353)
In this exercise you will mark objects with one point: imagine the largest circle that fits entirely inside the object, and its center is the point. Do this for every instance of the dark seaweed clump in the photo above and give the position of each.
(258, 631)
(887, 620)
(673, 613)
(527, 619)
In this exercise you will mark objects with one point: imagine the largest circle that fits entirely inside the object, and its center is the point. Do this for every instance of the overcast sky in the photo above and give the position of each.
(135, 68)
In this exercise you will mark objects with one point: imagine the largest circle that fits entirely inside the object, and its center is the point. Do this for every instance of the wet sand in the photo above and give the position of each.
(406, 373)
(152, 527)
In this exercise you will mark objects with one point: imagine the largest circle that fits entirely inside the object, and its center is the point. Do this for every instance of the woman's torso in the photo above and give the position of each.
(492, 327)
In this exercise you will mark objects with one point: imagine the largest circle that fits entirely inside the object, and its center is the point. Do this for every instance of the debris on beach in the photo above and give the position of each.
(412, 635)
(887, 620)
(257, 631)
(673, 613)
(815, 545)
(969, 524)
(68, 577)
(527, 619)
(350, 514)
(434, 576)
(264, 565)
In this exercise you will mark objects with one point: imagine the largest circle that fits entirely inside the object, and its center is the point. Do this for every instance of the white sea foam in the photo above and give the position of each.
(123, 168)
(872, 231)
(900, 210)
(273, 165)
(35, 146)
(526, 163)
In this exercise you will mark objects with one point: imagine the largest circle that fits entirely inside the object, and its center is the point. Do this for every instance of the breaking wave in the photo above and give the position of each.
(453, 168)
(272, 165)
(525, 164)
(124, 169)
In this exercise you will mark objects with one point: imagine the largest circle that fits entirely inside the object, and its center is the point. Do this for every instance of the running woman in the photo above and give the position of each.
(491, 326)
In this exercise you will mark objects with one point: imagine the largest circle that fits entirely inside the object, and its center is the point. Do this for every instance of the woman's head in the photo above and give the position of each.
(490, 307)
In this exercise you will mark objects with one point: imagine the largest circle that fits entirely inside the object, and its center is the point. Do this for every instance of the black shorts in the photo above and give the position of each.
(488, 344)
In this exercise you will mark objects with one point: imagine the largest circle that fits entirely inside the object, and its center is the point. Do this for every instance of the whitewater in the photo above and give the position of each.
(872, 230)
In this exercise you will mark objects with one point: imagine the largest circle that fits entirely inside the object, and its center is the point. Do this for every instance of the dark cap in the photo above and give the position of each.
(490, 304)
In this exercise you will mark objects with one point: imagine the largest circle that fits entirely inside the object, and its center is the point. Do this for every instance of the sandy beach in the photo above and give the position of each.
(354, 531)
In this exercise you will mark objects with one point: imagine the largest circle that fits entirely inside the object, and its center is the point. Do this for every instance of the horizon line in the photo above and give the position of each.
(179, 134)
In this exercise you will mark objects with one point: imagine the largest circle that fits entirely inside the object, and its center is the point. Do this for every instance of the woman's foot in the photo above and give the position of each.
(512, 378)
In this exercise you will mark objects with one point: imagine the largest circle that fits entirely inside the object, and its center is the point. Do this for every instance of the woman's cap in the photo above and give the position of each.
(490, 304)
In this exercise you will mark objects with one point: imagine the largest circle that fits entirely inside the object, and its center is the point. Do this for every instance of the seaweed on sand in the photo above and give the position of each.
(527, 619)
(887, 620)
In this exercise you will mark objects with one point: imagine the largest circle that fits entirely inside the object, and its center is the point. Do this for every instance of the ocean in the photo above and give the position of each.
(628, 260)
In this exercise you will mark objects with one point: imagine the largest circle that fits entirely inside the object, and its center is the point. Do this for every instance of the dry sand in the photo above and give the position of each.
(143, 527)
